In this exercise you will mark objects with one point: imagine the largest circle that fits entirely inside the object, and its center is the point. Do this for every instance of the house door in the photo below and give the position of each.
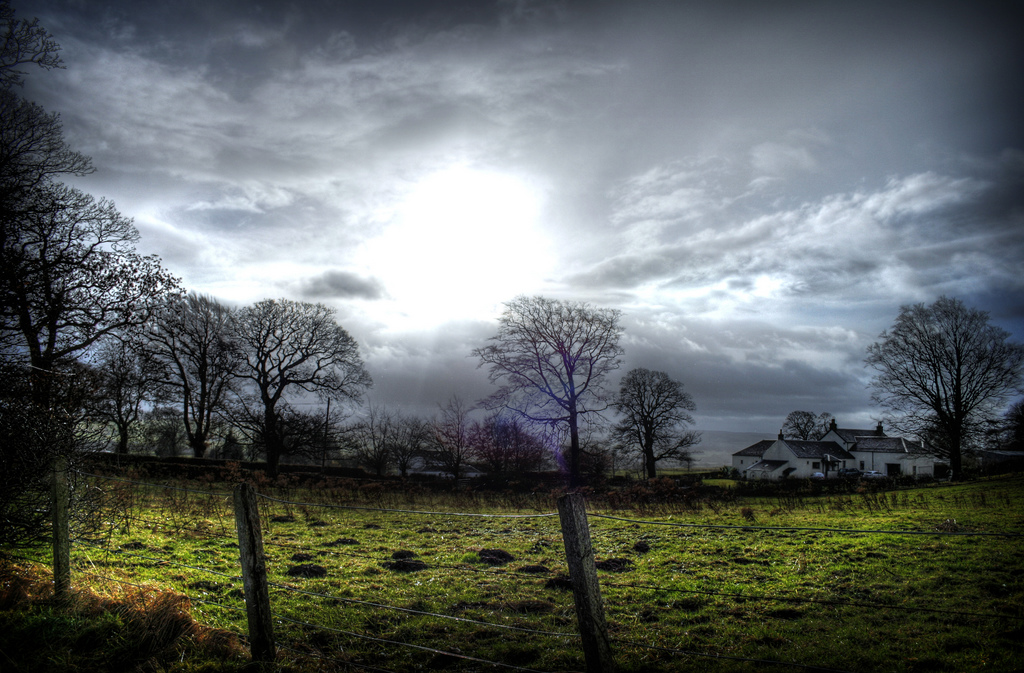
(892, 469)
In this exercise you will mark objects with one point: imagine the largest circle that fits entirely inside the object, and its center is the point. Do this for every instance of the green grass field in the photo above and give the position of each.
(373, 577)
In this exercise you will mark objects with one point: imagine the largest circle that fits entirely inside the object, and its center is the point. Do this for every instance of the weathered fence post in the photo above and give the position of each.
(254, 574)
(579, 552)
(61, 496)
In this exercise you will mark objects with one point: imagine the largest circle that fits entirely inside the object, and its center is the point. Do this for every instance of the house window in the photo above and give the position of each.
(815, 466)
(862, 464)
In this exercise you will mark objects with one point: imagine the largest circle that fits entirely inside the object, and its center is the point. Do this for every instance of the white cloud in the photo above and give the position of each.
(922, 193)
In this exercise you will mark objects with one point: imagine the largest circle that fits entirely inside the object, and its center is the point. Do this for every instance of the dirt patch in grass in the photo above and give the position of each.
(559, 583)
(615, 565)
(785, 613)
(406, 564)
(534, 570)
(495, 557)
(308, 570)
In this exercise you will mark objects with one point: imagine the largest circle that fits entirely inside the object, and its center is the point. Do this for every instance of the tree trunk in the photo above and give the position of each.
(575, 478)
(197, 441)
(272, 440)
(122, 440)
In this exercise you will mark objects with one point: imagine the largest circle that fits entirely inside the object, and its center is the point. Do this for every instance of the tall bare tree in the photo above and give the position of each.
(806, 425)
(505, 444)
(942, 371)
(551, 359)
(373, 439)
(451, 445)
(293, 348)
(190, 340)
(655, 414)
(409, 442)
(126, 381)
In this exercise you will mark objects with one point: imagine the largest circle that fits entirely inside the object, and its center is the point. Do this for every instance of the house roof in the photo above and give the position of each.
(756, 449)
(851, 435)
(767, 465)
(803, 449)
(886, 445)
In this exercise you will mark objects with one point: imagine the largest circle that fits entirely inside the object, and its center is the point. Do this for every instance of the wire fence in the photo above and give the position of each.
(349, 584)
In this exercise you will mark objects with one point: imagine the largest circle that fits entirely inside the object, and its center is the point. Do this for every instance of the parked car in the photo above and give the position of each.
(849, 473)
(817, 475)
(873, 474)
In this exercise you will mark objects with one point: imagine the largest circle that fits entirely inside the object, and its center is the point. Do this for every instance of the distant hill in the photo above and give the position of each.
(717, 446)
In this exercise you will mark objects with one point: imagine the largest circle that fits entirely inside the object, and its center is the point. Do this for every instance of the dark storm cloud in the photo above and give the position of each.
(341, 285)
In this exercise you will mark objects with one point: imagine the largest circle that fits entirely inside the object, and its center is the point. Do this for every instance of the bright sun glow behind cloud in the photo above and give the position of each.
(462, 242)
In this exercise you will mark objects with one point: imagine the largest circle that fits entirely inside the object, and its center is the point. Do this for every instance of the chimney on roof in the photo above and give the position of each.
(780, 435)
(879, 430)
(832, 424)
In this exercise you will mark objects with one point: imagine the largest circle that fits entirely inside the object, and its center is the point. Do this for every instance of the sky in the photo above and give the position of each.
(757, 186)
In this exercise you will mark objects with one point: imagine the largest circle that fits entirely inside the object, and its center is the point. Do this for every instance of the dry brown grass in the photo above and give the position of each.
(157, 624)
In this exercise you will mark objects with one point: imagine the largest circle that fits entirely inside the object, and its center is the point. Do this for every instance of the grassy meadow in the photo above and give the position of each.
(370, 576)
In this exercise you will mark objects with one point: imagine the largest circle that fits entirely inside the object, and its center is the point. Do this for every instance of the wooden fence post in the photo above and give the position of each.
(586, 591)
(61, 496)
(254, 574)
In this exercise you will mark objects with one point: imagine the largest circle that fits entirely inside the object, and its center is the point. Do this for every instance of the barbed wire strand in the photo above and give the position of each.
(232, 608)
(801, 528)
(177, 564)
(207, 534)
(398, 643)
(335, 552)
(406, 511)
(324, 657)
(730, 657)
(424, 613)
(813, 601)
(219, 494)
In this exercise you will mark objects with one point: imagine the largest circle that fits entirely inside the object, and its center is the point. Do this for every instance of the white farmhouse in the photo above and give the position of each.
(892, 456)
(839, 448)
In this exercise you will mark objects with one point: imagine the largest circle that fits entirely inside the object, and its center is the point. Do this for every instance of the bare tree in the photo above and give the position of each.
(451, 445)
(163, 430)
(292, 348)
(655, 413)
(190, 339)
(409, 441)
(806, 425)
(505, 444)
(73, 278)
(551, 359)
(942, 371)
(24, 42)
(373, 440)
(126, 381)
(1008, 432)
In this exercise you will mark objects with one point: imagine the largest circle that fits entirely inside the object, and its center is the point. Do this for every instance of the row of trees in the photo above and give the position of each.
(215, 367)
(255, 369)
